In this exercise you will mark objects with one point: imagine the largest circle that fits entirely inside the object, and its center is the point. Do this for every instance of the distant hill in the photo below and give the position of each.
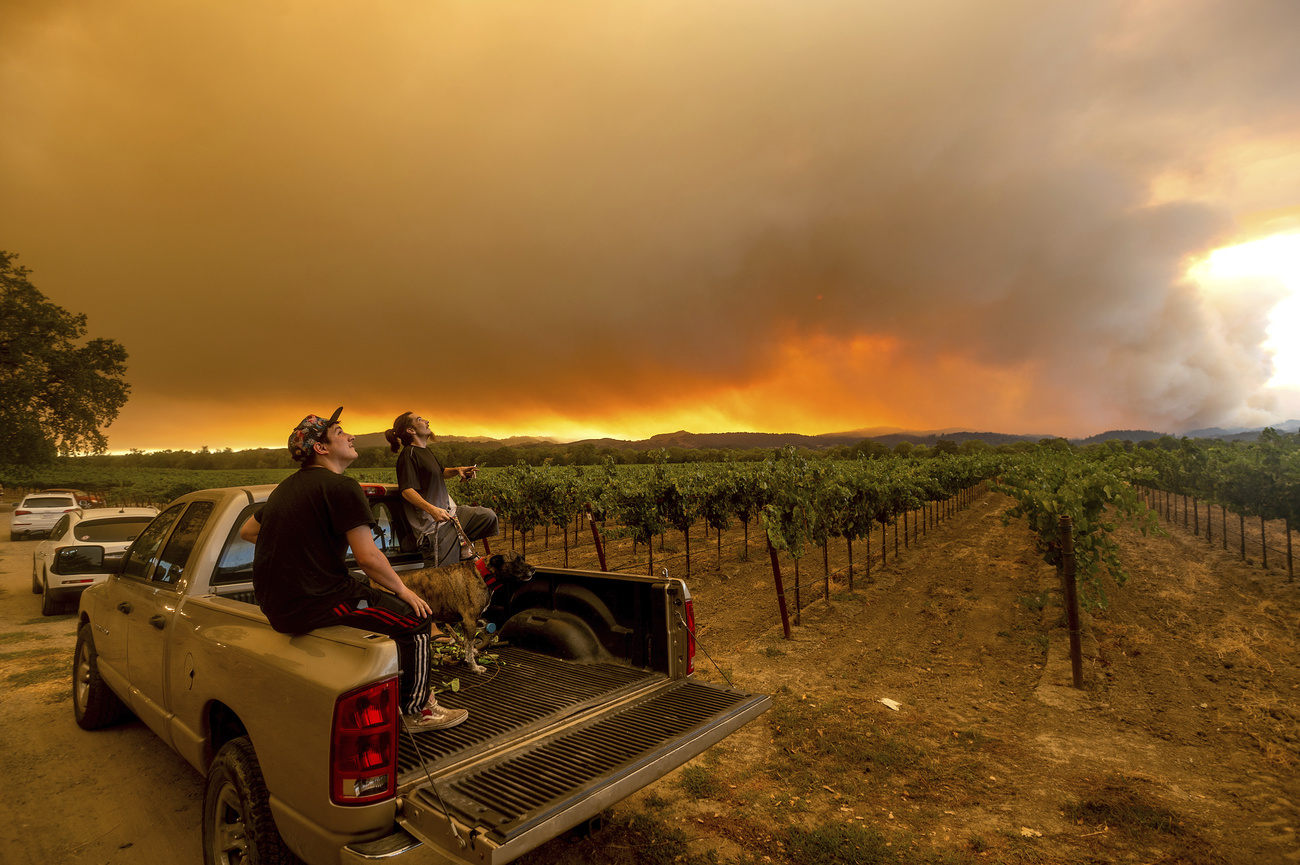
(377, 440)
(1127, 435)
(727, 441)
(932, 438)
(1241, 434)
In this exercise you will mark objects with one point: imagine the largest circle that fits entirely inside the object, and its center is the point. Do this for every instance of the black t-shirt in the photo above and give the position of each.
(299, 564)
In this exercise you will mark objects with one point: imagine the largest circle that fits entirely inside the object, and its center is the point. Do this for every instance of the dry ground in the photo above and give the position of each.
(1183, 747)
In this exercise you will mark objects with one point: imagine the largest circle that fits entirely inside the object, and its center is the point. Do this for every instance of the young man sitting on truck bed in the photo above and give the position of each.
(300, 573)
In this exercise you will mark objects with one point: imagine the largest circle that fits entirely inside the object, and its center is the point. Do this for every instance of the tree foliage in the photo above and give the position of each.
(56, 388)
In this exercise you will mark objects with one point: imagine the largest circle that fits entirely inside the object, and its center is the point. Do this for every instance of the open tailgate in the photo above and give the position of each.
(576, 760)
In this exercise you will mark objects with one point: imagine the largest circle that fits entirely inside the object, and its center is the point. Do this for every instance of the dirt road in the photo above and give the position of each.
(112, 796)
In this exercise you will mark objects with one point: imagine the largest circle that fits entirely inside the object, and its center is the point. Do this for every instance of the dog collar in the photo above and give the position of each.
(491, 579)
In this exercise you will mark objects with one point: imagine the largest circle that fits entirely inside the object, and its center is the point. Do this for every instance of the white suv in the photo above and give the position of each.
(81, 550)
(39, 512)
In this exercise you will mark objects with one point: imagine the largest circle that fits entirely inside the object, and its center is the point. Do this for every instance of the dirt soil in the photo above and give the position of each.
(925, 716)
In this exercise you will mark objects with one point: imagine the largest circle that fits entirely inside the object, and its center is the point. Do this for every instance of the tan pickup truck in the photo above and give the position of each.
(300, 739)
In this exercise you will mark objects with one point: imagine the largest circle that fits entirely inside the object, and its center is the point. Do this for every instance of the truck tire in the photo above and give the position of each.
(238, 828)
(93, 703)
(36, 582)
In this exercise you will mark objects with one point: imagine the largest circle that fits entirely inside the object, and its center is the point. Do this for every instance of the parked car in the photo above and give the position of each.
(85, 499)
(81, 550)
(38, 512)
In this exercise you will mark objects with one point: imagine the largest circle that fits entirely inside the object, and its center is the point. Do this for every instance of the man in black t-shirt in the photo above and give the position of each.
(300, 573)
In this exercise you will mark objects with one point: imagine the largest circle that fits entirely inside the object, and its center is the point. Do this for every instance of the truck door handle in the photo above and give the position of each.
(125, 607)
(158, 622)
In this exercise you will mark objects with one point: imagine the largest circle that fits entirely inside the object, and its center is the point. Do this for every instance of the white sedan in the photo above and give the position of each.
(81, 550)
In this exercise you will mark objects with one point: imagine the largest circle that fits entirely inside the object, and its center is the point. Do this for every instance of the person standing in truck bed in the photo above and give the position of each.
(428, 506)
(300, 572)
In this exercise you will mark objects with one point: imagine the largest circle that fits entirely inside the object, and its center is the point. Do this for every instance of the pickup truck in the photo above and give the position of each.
(299, 736)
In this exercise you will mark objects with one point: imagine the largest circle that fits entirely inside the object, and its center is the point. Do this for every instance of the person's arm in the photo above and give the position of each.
(250, 529)
(417, 500)
(375, 565)
(462, 472)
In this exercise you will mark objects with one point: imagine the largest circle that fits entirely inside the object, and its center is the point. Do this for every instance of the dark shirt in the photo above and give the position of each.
(300, 563)
(418, 469)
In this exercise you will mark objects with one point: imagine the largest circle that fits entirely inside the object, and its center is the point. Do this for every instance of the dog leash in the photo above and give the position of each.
(464, 537)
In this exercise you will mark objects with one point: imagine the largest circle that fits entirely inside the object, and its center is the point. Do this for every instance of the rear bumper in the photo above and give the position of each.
(400, 847)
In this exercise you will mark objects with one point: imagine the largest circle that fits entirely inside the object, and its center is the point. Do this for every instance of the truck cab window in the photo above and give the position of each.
(139, 562)
(171, 565)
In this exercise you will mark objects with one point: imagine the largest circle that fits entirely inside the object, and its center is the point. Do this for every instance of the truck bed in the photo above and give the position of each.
(550, 743)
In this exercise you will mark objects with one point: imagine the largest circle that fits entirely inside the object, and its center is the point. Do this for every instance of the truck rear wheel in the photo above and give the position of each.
(238, 828)
(93, 703)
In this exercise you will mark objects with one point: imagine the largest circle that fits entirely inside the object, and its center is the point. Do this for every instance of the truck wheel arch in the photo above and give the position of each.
(223, 726)
(552, 632)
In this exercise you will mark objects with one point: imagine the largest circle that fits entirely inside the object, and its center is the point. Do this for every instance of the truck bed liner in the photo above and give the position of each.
(560, 777)
(524, 693)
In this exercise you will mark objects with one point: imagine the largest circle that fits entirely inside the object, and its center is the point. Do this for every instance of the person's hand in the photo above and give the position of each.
(468, 473)
(417, 603)
(439, 514)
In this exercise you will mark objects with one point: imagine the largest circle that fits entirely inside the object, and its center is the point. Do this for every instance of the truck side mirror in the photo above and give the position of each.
(79, 560)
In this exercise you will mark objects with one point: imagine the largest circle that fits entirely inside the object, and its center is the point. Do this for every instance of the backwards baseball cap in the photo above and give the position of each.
(311, 430)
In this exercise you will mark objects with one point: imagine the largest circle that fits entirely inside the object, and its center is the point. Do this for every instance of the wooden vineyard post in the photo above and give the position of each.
(1071, 599)
(595, 537)
(1196, 517)
(906, 545)
(1209, 523)
(826, 568)
(1263, 542)
(780, 590)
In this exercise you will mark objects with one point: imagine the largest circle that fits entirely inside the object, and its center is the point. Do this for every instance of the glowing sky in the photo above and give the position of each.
(623, 218)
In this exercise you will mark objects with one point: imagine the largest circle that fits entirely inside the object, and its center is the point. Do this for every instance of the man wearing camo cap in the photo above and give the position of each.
(300, 572)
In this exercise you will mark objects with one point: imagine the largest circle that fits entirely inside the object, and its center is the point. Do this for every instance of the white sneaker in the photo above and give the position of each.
(435, 717)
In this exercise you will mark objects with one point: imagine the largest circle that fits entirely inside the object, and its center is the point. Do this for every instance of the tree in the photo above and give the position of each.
(55, 391)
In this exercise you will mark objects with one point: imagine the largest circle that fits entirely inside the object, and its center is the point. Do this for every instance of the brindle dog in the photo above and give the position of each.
(460, 593)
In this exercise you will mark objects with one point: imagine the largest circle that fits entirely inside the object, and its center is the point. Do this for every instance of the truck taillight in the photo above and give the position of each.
(690, 639)
(372, 490)
(363, 750)
(20, 512)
